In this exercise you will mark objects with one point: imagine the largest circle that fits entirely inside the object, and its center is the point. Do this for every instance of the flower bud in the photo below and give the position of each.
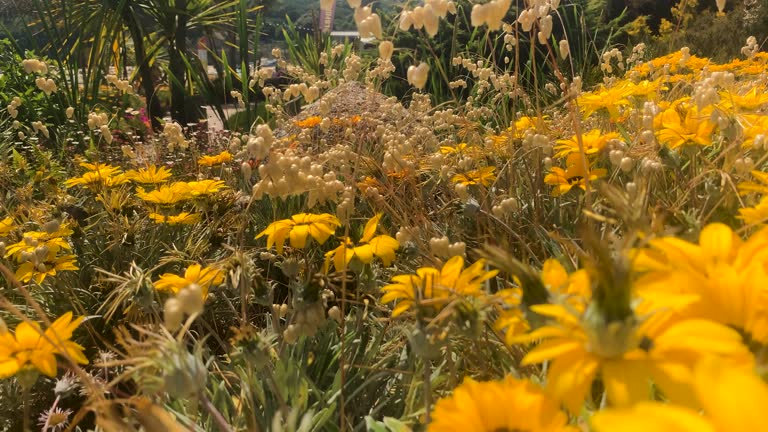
(386, 48)
(626, 164)
(246, 169)
(631, 188)
(291, 334)
(335, 313)
(191, 299)
(173, 314)
(417, 75)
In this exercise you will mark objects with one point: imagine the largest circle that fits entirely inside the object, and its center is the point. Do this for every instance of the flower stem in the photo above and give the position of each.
(217, 417)
(25, 398)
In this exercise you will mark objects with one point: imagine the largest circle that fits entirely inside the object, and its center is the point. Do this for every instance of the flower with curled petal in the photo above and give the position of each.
(298, 228)
(370, 245)
(204, 277)
(432, 288)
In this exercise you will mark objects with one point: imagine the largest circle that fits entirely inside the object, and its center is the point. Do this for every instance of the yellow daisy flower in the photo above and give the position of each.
(510, 404)
(733, 400)
(218, 159)
(483, 176)
(626, 356)
(382, 246)
(752, 100)
(150, 175)
(201, 188)
(610, 99)
(433, 288)
(204, 277)
(724, 275)
(105, 176)
(300, 226)
(28, 271)
(760, 187)
(564, 180)
(511, 321)
(690, 127)
(593, 141)
(36, 242)
(165, 195)
(183, 218)
(756, 215)
(30, 347)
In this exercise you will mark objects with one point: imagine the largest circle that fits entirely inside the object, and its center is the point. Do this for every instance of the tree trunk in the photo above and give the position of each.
(154, 110)
(178, 49)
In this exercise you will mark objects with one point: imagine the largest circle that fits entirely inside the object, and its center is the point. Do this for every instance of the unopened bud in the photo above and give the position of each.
(191, 299)
(335, 313)
(173, 314)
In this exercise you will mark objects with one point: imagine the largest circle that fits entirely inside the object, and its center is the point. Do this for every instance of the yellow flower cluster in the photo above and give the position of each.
(41, 254)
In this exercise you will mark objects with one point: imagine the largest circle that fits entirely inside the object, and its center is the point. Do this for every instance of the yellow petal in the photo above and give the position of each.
(650, 416)
(299, 235)
(370, 228)
(626, 381)
(699, 336)
(279, 238)
(717, 240)
(45, 362)
(570, 378)
(27, 335)
(553, 274)
(384, 247)
(364, 253)
(734, 399)
(550, 349)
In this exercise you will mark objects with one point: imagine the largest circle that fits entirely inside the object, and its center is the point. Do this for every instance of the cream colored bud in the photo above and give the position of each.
(52, 226)
(246, 169)
(406, 21)
(631, 188)
(360, 14)
(335, 313)
(615, 157)
(191, 299)
(386, 48)
(291, 334)
(461, 191)
(173, 314)
(627, 164)
(417, 75)
(370, 26)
